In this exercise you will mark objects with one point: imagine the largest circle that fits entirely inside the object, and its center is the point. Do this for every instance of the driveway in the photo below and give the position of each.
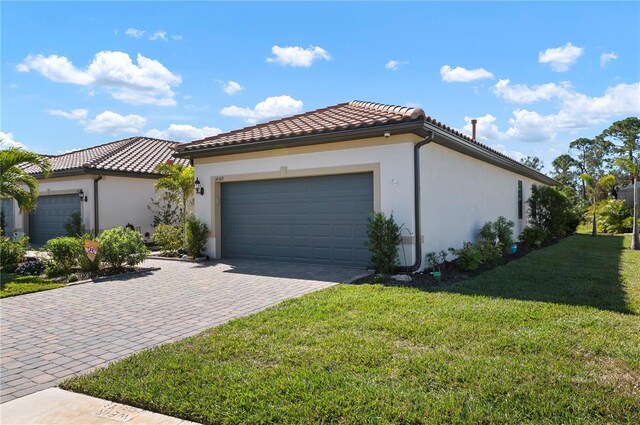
(49, 336)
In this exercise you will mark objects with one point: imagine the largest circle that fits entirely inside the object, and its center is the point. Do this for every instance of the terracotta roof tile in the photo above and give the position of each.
(133, 155)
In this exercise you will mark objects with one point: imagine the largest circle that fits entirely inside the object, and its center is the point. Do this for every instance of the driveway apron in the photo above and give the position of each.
(49, 336)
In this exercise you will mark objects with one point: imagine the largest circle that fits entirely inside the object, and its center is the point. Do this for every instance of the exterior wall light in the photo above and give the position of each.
(199, 188)
(82, 196)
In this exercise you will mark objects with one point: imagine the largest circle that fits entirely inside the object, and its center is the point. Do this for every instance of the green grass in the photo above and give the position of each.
(551, 338)
(15, 284)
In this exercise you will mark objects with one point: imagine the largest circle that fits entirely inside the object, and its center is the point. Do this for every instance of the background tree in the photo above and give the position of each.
(624, 137)
(178, 185)
(533, 162)
(596, 188)
(14, 179)
(592, 157)
(564, 170)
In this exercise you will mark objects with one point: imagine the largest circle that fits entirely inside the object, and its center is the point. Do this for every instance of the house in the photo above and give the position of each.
(626, 194)
(108, 185)
(302, 188)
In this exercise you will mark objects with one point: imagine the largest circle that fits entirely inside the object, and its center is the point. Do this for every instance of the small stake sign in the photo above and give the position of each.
(91, 248)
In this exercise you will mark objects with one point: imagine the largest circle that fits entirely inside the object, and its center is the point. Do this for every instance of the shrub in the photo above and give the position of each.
(500, 230)
(384, 238)
(168, 238)
(74, 226)
(612, 216)
(435, 260)
(490, 252)
(532, 235)
(72, 278)
(11, 252)
(469, 256)
(120, 246)
(197, 233)
(30, 268)
(550, 209)
(65, 253)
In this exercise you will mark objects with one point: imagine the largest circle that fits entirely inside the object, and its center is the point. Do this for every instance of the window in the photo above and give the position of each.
(520, 203)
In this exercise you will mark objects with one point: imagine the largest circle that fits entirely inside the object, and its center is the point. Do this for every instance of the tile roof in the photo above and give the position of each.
(343, 116)
(132, 155)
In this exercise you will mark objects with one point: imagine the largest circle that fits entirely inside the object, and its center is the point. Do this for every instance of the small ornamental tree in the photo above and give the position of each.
(384, 238)
(197, 233)
(551, 210)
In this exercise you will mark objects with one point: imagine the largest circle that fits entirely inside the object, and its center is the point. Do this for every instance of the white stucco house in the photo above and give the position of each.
(108, 185)
(302, 188)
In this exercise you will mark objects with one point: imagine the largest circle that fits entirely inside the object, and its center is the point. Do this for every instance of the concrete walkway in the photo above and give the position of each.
(59, 407)
(49, 336)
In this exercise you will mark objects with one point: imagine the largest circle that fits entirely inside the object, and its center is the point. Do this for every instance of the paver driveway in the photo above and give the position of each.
(48, 336)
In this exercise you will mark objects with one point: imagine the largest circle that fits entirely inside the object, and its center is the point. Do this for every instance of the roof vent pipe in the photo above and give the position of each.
(473, 129)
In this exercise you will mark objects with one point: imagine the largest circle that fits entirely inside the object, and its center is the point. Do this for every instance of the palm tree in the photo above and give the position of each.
(594, 188)
(14, 179)
(178, 185)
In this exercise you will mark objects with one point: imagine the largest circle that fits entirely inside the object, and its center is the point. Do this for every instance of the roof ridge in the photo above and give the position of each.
(406, 111)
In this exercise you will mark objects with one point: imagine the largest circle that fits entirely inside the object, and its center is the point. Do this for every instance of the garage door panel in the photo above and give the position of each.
(48, 221)
(312, 219)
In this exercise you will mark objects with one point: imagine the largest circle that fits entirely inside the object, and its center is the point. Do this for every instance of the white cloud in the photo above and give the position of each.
(7, 141)
(485, 128)
(114, 123)
(607, 57)
(76, 114)
(56, 68)
(521, 93)
(183, 132)
(462, 75)
(177, 37)
(135, 33)
(561, 58)
(517, 155)
(298, 56)
(147, 82)
(394, 64)
(158, 35)
(230, 87)
(271, 107)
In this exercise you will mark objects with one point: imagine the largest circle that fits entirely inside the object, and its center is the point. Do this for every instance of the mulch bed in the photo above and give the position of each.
(451, 273)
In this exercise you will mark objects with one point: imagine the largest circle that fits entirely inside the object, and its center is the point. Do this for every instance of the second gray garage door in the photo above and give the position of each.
(48, 220)
(319, 220)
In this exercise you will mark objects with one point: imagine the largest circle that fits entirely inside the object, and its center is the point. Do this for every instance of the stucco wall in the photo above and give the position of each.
(124, 200)
(460, 194)
(393, 155)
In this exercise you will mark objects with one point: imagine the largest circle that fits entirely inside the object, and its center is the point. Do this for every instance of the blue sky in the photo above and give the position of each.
(536, 75)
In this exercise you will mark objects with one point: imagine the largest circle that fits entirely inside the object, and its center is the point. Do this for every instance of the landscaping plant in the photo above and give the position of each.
(550, 209)
(197, 233)
(168, 238)
(533, 235)
(469, 256)
(15, 182)
(500, 230)
(12, 252)
(120, 246)
(30, 268)
(65, 253)
(384, 238)
(612, 216)
(74, 226)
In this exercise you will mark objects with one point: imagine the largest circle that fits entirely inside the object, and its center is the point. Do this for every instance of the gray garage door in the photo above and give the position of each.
(6, 206)
(319, 220)
(48, 220)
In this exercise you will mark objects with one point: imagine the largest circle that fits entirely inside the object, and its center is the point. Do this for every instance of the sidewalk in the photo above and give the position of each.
(54, 406)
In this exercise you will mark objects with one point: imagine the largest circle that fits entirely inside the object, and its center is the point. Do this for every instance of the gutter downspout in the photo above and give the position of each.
(96, 216)
(416, 194)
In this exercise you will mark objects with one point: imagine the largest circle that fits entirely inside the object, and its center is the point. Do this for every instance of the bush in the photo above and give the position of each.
(168, 238)
(30, 268)
(532, 235)
(65, 253)
(119, 246)
(612, 216)
(197, 233)
(12, 252)
(550, 209)
(500, 230)
(384, 238)
(469, 256)
(435, 260)
(490, 252)
(74, 226)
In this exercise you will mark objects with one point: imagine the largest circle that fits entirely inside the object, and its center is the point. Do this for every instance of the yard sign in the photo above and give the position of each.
(91, 248)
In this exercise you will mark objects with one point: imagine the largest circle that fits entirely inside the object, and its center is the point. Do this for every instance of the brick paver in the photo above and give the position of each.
(50, 336)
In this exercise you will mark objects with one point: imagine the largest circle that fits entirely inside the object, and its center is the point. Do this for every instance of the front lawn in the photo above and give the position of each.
(551, 338)
(15, 284)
